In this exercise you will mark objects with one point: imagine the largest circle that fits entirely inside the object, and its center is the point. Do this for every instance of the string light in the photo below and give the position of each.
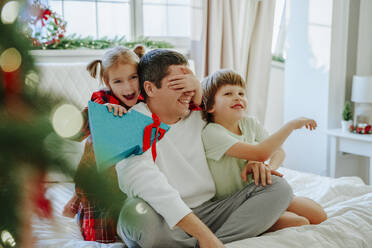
(32, 79)
(10, 60)
(67, 120)
(9, 12)
(7, 238)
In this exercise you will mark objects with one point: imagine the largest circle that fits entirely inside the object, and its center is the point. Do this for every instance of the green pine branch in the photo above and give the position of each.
(75, 42)
(347, 114)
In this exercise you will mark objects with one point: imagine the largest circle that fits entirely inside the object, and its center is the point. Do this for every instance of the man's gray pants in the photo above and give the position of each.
(244, 214)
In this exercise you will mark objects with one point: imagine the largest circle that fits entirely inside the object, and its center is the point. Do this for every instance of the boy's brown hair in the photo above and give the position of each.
(213, 83)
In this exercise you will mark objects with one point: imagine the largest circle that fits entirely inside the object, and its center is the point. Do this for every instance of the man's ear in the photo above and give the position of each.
(149, 88)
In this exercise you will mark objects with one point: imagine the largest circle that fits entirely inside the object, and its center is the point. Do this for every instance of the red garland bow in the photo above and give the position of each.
(44, 16)
(147, 135)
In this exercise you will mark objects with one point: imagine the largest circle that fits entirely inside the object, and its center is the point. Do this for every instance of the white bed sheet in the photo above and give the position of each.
(347, 201)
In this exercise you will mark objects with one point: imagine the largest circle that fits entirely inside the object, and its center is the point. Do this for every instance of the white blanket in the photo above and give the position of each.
(347, 201)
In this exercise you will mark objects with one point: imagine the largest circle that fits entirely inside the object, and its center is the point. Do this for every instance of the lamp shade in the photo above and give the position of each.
(362, 89)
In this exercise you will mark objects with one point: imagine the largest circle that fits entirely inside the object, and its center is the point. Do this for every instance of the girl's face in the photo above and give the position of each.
(230, 103)
(123, 82)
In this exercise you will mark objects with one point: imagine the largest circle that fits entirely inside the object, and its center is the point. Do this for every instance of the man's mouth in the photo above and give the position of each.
(130, 96)
(184, 100)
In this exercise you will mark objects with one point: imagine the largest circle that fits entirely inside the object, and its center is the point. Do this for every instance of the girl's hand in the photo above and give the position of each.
(302, 121)
(118, 109)
(261, 172)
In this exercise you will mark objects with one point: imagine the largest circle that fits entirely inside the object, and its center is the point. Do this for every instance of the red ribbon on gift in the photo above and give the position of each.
(147, 135)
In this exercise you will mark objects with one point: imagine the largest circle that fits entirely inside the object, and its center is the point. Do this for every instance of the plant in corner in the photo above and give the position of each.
(347, 117)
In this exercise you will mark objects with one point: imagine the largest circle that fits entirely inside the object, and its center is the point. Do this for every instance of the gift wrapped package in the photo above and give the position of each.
(115, 138)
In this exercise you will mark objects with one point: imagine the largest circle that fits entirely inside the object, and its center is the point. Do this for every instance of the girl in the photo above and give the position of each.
(231, 156)
(118, 72)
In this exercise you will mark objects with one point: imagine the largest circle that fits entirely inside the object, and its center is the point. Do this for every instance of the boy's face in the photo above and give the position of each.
(230, 103)
(174, 102)
(124, 84)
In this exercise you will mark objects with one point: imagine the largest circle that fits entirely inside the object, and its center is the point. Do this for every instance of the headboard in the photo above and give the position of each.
(69, 80)
(73, 82)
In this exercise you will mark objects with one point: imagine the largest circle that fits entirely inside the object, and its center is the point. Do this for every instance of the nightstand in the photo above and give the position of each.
(358, 144)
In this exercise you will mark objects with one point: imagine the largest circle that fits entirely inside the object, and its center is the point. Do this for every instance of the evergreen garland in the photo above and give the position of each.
(75, 42)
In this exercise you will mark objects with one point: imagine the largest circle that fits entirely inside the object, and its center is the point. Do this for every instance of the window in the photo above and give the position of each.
(166, 18)
(158, 19)
(279, 31)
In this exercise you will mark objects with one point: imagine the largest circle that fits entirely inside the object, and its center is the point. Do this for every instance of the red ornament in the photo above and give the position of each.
(12, 82)
(351, 128)
(43, 205)
(368, 128)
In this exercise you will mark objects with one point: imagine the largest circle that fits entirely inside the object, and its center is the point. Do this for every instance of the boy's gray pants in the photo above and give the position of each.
(244, 214)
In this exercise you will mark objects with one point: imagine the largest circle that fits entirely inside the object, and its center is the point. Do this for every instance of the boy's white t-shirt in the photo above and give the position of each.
(180, 178)
(225, 169)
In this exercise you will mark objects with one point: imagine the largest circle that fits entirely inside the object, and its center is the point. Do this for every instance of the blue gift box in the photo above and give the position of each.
(114, 137)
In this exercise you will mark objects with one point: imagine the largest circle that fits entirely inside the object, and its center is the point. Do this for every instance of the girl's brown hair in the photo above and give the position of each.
(213, 83)
(114, 56)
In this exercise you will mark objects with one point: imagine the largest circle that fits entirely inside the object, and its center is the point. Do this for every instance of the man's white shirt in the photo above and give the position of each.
(179, 179)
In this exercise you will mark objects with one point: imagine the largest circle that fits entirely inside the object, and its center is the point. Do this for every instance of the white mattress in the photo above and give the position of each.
(347, 201)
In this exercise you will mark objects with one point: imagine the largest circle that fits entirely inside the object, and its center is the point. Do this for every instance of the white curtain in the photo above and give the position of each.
(237, 34)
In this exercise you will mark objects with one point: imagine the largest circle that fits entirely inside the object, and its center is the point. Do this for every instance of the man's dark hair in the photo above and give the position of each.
(153, 66)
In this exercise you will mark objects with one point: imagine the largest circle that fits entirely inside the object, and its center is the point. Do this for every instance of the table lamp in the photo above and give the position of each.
(362, 97)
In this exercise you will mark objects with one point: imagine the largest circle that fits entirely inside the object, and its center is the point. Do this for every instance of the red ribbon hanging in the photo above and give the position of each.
(147, 135)
(44, 16)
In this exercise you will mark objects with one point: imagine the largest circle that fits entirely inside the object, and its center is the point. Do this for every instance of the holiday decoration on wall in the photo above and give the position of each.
(44, 26)
(47, 30)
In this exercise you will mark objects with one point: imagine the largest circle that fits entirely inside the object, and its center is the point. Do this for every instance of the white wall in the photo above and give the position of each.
(275, 98)
(306, 82)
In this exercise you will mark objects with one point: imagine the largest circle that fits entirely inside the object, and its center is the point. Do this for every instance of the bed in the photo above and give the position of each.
(347, 201)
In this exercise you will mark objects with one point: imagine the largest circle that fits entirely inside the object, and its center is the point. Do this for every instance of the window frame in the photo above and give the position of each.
(137, 31)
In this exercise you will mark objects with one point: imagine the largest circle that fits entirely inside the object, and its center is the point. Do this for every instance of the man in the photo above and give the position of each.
(171, 204)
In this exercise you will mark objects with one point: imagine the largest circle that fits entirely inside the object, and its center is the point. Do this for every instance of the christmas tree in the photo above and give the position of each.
(31, 139)
(25, 127)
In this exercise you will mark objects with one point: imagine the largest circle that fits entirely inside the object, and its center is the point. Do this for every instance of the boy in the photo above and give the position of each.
(231, 153)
